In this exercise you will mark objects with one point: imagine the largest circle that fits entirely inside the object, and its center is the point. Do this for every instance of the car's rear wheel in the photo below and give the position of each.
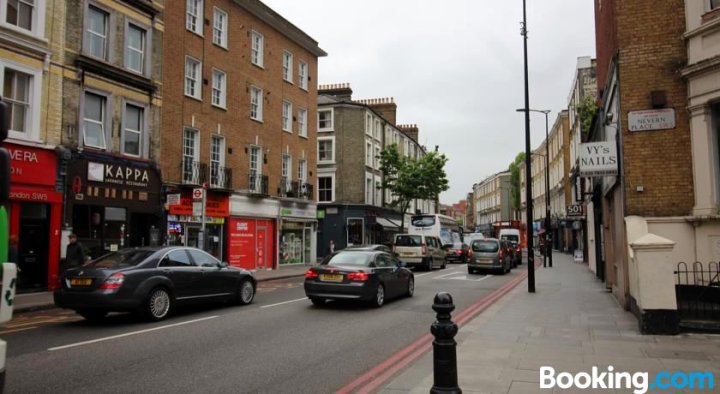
(317, 301)
(92, 315)
(158, 304)
(442, 267)
(379, 298)
(411, 287)
(430, 263)
(246, 292)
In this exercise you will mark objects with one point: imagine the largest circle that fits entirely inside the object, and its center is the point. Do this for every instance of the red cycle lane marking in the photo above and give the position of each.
(379, 374)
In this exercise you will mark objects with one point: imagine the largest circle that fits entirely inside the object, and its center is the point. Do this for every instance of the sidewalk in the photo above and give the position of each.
(44, 300)
(571, 324)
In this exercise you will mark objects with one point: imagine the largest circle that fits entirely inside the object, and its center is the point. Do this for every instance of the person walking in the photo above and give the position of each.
(74, 253)
(331, 247)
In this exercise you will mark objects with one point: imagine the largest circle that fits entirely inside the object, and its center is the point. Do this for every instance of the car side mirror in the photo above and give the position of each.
(224, 264)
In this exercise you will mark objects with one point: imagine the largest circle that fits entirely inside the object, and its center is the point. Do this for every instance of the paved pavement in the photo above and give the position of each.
(571, 324)
(44, 300)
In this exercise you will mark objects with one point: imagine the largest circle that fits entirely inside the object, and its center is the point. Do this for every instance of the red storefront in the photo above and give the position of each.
(35, 215)
(251, 243)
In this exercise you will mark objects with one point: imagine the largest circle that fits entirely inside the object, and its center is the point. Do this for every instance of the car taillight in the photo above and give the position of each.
(469, 252)
(517, 249)
(500, 253)
(113, 282)
(458, 251)
(423, 249)
(359, 276)
(310, 274)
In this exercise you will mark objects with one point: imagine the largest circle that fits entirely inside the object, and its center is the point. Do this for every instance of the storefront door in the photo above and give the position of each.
(33, 248)
(262, 252)
(193, 236)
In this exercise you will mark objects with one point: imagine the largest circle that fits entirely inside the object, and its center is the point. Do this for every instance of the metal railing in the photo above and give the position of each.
(220, 177)
(285, 188)
(698, 291)
(194, 172)
(302, 190)
(258, 184)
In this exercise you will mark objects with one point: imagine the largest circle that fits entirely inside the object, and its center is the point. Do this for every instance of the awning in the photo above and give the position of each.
(386, 224)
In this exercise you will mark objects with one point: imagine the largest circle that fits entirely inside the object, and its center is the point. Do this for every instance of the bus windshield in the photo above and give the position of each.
(423, 221)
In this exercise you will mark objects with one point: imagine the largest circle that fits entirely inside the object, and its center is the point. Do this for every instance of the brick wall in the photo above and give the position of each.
(234, 123)
(350, 155)
(651, 53)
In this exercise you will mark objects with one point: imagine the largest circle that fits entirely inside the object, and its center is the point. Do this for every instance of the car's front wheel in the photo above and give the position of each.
(92, 315)
(246, 292)
(158, 304)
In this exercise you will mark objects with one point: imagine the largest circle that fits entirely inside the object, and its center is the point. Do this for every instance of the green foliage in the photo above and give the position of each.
(586, 109)
(515, 180)
(408, 178)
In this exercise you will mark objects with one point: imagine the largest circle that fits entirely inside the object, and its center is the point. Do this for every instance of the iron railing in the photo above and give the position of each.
(220, 177)
(194, 172)
(258, 184)
(285, 188)
(698, 291)
(302, 190)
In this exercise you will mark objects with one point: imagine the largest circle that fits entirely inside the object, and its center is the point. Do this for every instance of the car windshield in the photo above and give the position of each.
(121, 259)
(485, 246)
(408, 240)
(511, 237)
(352, 259)
(457, 245)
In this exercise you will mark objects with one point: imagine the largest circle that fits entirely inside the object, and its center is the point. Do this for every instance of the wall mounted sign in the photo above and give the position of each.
(651, 119)
(598, 159)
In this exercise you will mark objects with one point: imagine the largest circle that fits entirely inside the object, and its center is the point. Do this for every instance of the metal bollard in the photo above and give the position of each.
(445, 378)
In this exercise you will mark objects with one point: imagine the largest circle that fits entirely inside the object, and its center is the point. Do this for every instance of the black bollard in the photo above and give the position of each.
(445, 378)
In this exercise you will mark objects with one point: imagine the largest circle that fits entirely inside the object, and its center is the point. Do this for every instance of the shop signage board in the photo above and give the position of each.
(217, 205)
(598, 159)
(651, 119)
(32, 165)
(575, 211)
(241, 243)
(173, 199)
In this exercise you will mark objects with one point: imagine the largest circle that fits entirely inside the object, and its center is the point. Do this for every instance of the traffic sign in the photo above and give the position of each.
(198, 194)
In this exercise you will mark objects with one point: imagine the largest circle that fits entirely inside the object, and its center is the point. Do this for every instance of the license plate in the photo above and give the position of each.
(406, 254)
(80, 282)
(484, 261)
(331, 277)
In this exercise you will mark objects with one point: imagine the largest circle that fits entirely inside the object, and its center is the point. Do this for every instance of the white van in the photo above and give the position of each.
(512, 235)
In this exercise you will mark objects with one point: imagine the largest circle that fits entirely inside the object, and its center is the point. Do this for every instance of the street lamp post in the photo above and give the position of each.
(548, 251)
(528, 178)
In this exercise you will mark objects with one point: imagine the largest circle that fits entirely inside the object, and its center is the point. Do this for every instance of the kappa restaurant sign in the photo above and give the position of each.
(118, 174)
(216, 205)
(32, 165)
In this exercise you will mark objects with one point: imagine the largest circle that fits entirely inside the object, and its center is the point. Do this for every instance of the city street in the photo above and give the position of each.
(280, 343)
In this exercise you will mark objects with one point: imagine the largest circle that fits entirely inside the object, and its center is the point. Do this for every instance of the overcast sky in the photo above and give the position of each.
(455, 68)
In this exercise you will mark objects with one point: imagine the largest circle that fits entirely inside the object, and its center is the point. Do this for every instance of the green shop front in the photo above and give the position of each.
(297, 232)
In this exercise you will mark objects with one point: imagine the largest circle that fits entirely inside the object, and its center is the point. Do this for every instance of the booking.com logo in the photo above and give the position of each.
(639, 381)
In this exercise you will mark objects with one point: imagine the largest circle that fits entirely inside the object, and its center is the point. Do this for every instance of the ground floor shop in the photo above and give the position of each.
(185, 224)
(348, 225)
(112, 203)
(35, 214)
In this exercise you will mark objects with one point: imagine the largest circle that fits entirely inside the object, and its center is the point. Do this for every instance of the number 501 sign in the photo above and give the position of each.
(575, 210)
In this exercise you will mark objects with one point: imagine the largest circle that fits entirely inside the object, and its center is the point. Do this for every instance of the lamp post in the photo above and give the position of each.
(528, 178)
(548, 252)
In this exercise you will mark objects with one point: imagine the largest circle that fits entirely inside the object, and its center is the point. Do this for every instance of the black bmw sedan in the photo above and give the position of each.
(366, 275)
(151, 281)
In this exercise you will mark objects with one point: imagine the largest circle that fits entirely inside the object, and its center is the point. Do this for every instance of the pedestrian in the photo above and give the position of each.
(331, 247)
(13, 249)
(74, 253)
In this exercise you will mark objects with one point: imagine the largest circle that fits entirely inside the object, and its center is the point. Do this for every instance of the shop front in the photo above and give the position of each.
(348, 225)
(184, 226)
(297, 236)
(252, 233)
(35, 215)
(113, 203)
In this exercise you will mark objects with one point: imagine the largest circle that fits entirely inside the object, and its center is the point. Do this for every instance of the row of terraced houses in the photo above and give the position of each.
(121, 109)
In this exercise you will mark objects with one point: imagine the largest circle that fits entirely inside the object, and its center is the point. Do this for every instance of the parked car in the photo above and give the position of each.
(416, 250)
(382, 248)
(151, 280)
(489, 254)
(370, 276)
(458, 253)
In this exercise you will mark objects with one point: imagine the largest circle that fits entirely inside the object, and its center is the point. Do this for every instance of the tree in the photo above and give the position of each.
(515, 180)
(586, 109)
(409, 179)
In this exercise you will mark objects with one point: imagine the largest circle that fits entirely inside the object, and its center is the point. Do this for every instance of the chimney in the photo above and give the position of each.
(411, 130)
(341, 91)
(386, 107)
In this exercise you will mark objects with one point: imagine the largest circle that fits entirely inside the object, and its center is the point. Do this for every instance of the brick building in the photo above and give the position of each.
(642, 96)
(493, 202)
(31, 84)
(351, 134)
(239, 117)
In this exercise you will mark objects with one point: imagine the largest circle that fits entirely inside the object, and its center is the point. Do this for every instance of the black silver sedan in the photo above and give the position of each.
(151, 281)
(370, 276)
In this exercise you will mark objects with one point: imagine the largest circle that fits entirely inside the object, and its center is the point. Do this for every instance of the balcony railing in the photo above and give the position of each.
(302, 190)
(285, 188)
(258, 184)
(198, 173)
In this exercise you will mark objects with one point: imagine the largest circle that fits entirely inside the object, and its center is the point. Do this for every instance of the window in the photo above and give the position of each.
(16, 93)
(135, 48)
(133, 129)
(20, 13)
(193, 19)
(218, 88)
(190, 155)
(378, 129)
(256, 104)
(255, 169)
(286, 171)
(368, 124)
(256, 56)
(96, 33)
(714, 4)
(325, 119)
(302, 171)
(302, 122)
(376, 158)
(287, 116)
(220, 23)
(217, 161)
(287, 66)
(368, 154)
(368, 189)
(326, 192)
(326, 152)
(193, 72)
(303, 75)
(94, 116)
(378, 191)
(176, 258)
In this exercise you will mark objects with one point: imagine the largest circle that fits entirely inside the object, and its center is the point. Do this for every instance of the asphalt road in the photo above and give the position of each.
(281, 343)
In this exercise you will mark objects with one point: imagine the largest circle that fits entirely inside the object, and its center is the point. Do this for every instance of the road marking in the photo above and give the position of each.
(283, 303)
(461, 276)
(129, 334)
(18, 330)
